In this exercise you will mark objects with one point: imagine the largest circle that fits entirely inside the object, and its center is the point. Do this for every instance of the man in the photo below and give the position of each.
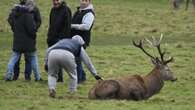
(37, 18)
(59, 25)
(82, 23)
(62, 55)
(24, 30)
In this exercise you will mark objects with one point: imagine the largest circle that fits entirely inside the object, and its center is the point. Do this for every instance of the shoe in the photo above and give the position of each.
(39, 79)
(52, 93)
(7, 79)
(81, 82)
(60, 80)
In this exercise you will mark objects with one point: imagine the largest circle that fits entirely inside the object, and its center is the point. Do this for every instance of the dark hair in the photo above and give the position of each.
(22, 2)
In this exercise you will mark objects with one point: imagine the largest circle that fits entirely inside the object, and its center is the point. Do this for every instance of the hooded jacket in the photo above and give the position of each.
(59, 24)
(24, 30)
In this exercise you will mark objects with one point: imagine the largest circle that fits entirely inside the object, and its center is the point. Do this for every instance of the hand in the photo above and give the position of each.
(98, 77)
(46, 67)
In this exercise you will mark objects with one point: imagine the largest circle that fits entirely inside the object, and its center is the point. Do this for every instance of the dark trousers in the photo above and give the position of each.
(27, 71)
(81, 75)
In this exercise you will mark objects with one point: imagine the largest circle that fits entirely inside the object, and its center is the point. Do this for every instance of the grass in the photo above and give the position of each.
(117, 23)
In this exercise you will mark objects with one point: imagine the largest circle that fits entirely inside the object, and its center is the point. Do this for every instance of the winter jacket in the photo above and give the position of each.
(59, 24)
(24, 30)
(82, 23)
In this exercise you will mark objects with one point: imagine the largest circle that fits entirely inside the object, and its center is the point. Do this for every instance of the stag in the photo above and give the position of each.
(136, 87)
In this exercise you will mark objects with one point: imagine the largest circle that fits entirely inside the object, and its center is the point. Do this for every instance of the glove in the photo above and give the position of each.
(98, 77)
(46, 67)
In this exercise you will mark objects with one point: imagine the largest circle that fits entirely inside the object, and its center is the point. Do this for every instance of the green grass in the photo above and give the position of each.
(117, 23)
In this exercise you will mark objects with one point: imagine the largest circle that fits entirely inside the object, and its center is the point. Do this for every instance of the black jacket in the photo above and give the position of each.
(77, 19)
(59, 24)
(24, 30)
(37, 17)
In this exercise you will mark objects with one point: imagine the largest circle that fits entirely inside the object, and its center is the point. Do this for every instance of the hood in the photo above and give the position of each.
(19, 9)
(78, 39)
(89, 7)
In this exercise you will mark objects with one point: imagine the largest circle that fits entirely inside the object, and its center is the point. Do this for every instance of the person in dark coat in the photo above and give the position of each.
(59, 25)
(37, 18)
(82, 23)
(24, 41)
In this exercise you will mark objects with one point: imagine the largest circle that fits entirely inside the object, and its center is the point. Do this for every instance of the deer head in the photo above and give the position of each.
(159, 63)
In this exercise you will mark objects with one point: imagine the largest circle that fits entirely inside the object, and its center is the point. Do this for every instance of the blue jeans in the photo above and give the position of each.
(27, 71)
(31, 56)
(80, 72)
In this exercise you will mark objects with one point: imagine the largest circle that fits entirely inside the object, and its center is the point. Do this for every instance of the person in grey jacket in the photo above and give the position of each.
(63, 55)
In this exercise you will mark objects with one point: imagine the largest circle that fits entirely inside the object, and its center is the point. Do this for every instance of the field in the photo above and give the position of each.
(118, 22)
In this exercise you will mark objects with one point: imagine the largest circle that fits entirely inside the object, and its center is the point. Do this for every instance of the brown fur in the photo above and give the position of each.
(130, 87)
(136, 87)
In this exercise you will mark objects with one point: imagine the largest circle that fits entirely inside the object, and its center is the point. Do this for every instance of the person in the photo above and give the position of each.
(62, 55)
(24, 31)
(59, 25)
(37, 18)
(82, 23)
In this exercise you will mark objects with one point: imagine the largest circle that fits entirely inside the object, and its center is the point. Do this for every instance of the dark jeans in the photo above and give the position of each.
(80, 72)
(27, 71)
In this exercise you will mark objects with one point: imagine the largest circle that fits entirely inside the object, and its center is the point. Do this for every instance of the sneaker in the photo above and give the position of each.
(52, 93)
(7, 79)
(39, 79)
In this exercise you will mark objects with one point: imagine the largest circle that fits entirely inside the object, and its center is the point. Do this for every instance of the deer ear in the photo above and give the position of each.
(156, 62)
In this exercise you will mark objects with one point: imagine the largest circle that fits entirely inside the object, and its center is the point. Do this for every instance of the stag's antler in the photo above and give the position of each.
(140, 45)
(156, 43)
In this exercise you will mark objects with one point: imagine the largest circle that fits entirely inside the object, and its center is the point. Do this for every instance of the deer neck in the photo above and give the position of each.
(153, 82)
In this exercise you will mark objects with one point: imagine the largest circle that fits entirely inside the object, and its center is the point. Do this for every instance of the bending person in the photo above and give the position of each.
(63, 55)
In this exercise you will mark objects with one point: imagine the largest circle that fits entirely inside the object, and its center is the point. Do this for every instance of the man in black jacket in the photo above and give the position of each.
(37, 18)
(59, 25)
(24, 30)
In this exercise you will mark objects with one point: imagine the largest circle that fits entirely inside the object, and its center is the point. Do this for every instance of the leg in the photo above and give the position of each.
(107, 89)
(32, 57)
(53, 70)
(80, 72)
(28, 70)
(187, 4)
(193, 3)
(60, 76)
(17, 69)
(176, 4)
(14, 58)
(67, 61)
